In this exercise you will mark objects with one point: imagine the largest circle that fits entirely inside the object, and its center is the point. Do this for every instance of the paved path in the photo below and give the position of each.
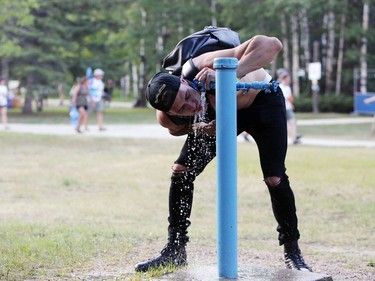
(157, 132)
(154, 131)
(120, 131)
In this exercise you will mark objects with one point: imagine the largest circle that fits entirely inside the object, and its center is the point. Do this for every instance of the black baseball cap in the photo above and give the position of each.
(162, 90)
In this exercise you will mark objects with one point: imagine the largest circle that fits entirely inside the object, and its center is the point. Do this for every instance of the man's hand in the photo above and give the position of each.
(206, 76)
(205, 128)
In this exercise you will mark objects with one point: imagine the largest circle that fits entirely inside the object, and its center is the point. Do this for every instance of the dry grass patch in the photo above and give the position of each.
(91, 208)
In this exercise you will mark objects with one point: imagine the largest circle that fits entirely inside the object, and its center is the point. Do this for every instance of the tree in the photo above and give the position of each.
(330, 51)
(295, 54)
(363, 75)
(285, 40)
(13, 15)
(340, 56)
(45, 42)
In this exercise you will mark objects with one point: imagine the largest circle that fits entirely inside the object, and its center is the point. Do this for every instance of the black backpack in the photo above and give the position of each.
(207, 40)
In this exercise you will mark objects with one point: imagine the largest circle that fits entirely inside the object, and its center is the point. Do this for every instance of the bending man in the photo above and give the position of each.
(260, 114)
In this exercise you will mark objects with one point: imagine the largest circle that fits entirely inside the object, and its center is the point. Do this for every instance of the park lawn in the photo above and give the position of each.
(94, 207)
(60, 115)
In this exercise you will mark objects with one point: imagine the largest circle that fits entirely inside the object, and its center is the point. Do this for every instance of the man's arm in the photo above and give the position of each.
(253, 54)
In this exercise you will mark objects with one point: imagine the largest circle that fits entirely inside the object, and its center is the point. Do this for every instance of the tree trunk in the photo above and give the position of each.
(127, 85)
(284, 33)
(161, 43)
(160, 39)
(61, 91)
(315, 97)
(323, 45)
(330, 52)
(315, 85)
(28, 104)
(141, 98)
(273, 69)
(295, 49)
(213, 13)
(5, 68)
(305, 39)
(135, 81)
(181, 27)
(340, 56)
(363, 74)
(316, 53)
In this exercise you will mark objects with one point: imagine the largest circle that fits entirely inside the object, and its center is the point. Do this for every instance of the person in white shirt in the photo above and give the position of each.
(4, 103)
(96, 93)
(285, 80)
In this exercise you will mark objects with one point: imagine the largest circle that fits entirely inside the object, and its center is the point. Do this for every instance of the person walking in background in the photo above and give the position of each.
(284, 78)
(97, 93)
(4, 103)
(80, 99)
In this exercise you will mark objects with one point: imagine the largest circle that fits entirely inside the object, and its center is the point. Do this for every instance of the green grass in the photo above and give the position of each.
(339, 131)
(332, 115)
(89, 207)
(60, 115)
(360, 131)
(76, 208)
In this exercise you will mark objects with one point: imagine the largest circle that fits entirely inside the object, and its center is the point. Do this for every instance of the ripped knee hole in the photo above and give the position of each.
(272, 181)
(179, 169)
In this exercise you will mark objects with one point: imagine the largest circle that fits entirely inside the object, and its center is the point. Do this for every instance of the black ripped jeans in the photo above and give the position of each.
(265, 121)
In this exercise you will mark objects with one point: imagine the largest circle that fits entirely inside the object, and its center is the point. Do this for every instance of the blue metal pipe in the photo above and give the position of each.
(226, 149)
(267, 87)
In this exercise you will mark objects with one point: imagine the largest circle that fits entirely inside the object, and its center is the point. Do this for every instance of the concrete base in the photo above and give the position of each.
(245, 272)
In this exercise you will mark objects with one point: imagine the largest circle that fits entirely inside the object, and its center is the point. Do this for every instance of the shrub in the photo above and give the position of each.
(327, 103)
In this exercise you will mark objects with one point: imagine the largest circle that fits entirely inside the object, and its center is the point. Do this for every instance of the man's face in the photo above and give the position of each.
(187, 102)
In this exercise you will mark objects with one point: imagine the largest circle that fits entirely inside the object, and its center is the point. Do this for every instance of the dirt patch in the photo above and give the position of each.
(339, 268)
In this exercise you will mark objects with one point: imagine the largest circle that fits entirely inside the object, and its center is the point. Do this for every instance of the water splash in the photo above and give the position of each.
(201, 116)
(201, 147)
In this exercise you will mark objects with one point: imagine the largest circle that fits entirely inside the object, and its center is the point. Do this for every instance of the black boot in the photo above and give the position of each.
(293, 257)
(173, 254)
(180, 201)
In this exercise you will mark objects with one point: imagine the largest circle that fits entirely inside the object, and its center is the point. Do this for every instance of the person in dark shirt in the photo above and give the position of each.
(260, 114)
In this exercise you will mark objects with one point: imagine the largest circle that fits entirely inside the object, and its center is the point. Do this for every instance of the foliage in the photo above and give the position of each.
(15, 16)
(45, 42)
(327, 103)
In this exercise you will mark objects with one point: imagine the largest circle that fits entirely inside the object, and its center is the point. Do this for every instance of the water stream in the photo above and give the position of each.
(201, 116)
